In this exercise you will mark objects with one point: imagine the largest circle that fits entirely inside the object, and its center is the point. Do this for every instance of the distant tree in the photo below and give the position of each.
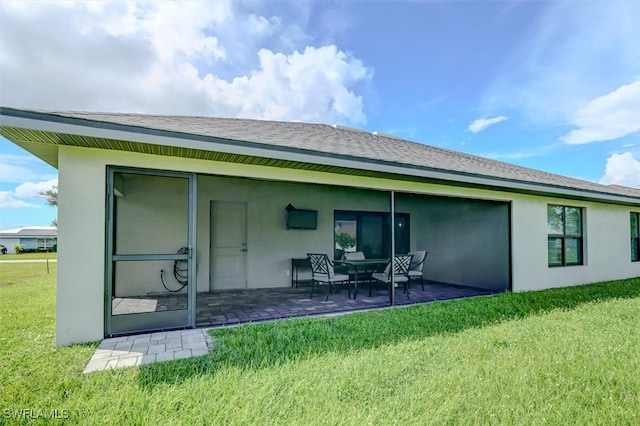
(51, 196)
(52, 199)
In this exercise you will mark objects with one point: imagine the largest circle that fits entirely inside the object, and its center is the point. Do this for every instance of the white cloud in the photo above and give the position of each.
(19, 197)
(178, 30)
(608, 117)
(311, 85)
(481, 124)
(622, 169)
(33, 189)
(205, 58)
(9, 201)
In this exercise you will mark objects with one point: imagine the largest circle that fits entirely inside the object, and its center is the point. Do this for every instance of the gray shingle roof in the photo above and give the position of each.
(337, 140)
(30, 231)
(634, 192)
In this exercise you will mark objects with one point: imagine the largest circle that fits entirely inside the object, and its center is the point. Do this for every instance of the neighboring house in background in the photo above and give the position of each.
(158, 193)
(30, 238)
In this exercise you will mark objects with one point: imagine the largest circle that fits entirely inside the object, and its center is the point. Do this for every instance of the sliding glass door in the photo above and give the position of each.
(370, 233)
(150, 281)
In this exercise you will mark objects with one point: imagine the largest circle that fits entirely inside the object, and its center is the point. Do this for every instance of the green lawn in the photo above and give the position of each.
(14, 273)
(565, 356)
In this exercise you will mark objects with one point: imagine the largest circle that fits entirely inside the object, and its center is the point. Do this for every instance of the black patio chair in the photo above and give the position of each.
(417, 266)
(323, 273)
(401, 264)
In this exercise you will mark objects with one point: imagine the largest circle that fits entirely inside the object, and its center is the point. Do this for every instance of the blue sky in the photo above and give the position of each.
(549, 85)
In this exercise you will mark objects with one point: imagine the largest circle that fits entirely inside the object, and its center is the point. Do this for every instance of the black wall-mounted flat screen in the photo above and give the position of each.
(302, 219)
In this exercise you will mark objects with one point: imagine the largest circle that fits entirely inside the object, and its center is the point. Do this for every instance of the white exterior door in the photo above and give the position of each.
(228, 245)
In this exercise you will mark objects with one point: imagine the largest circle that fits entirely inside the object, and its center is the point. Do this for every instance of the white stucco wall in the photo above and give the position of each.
(81, 225)
(607, 249)
(81, 231)
(270, 246)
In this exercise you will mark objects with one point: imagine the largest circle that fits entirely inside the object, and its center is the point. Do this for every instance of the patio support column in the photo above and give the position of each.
(392, 214)
(192, 283)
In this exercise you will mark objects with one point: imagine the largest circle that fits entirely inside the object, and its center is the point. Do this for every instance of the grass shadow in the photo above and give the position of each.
(263, 345)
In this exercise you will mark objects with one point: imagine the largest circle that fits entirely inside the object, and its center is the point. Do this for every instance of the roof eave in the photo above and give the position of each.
(47, 122)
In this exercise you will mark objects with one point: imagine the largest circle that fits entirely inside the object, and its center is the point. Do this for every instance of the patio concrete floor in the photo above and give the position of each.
(233, 307)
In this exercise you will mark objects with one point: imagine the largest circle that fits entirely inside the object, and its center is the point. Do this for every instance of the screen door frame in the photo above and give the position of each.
(123, 324)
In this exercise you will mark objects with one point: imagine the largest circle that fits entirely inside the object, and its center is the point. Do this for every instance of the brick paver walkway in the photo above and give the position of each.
(144, 349)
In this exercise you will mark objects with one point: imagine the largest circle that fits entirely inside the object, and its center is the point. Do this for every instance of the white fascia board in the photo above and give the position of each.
(290, 154)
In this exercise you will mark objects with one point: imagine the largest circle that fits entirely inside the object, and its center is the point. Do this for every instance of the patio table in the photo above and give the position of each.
(361, 266)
